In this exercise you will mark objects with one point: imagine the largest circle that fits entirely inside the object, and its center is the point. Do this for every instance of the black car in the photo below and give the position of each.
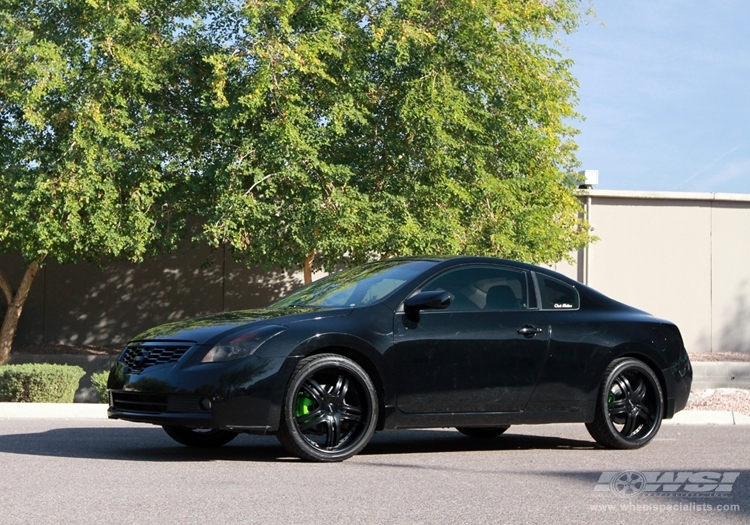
(473, 343)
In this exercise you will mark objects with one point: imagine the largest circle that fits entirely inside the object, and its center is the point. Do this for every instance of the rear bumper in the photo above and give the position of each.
(678, 380)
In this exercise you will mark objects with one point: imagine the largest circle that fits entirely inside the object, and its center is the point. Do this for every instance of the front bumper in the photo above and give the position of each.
(243, 395)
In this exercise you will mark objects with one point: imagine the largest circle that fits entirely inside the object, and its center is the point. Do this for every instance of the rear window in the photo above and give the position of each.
(556, 295)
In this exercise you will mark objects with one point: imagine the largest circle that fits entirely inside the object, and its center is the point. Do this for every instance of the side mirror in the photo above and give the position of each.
(434, 300)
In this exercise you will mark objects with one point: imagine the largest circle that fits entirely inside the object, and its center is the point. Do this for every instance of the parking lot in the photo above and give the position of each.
(99, 471)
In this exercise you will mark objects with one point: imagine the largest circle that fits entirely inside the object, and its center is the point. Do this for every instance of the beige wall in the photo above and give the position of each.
(680, 256)
(730, 327)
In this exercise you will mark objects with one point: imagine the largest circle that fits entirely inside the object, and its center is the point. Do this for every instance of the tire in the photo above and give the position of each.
(482, 432)
(199, 437)
(629, 406)
(330, 409)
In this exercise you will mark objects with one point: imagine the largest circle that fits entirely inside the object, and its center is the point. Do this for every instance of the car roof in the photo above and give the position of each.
(475, 259)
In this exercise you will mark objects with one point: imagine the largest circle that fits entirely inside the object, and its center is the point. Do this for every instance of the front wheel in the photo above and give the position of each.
(629, 406)
(199, 437)
(482, 432)
(330, 409)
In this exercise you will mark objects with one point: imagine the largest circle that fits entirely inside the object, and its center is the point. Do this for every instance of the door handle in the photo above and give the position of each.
(529, 331)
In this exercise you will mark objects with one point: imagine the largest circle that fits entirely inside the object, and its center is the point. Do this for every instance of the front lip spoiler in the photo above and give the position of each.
(185, 419)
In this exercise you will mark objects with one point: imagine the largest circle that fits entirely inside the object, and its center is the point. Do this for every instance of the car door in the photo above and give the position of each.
(483, 353)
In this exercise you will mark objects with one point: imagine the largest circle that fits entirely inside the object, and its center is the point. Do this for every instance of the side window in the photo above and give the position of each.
(556, 295)
(477, 288)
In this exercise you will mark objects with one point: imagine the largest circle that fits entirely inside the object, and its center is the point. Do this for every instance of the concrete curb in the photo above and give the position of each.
(708, 417)
(720, 374)
(99, 411)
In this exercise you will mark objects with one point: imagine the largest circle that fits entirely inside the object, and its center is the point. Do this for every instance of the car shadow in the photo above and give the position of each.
(448, 440)
(152, 444)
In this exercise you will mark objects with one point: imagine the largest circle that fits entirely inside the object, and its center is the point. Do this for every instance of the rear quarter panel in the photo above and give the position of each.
(582, 345)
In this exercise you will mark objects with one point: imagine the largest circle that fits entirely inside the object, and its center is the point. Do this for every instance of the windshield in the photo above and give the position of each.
(358, 286)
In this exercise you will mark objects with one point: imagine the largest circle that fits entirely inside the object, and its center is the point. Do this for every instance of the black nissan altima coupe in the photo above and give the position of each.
(473, 343)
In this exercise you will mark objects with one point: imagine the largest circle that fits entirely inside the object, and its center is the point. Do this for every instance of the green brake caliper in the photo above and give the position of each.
(304, 404)
(610, 397)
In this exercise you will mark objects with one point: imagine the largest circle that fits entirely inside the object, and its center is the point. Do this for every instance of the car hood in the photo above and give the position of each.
(203, 329)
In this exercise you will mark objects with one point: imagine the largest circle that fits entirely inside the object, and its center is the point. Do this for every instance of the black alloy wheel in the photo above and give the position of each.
(482, 432)
(330, 409)
(629, 408)
(199, 437)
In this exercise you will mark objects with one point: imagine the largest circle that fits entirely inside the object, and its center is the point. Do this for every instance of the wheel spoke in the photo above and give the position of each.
(317, 392)
(645, 414)
(624, 385)
(308, 421)
(341, 388)
(631, 423)
(333, 432)
(617, 407)
(640, 392)
(351, 413)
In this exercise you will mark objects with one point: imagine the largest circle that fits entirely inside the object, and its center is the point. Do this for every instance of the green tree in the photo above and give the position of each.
(94, 119)
(351, 129)
(299, 133)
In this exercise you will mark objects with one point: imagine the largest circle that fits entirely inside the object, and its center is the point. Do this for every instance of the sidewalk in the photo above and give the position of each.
(707, 417)
(99, 411)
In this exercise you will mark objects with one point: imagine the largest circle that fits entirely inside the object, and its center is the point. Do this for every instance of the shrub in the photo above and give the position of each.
(39, 383)
(99, 380)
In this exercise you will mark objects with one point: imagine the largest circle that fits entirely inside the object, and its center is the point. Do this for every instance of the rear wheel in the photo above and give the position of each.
(629, 406)
(330, 409)
(199, 437)
(482, 432)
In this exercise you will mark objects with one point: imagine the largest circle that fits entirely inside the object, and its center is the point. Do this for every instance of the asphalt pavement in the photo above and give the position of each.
(56, 470)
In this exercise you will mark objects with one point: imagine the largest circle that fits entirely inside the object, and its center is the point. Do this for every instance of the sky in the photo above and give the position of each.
(665, 93)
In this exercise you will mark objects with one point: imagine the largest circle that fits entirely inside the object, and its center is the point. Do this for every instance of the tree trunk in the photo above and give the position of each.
(308, 266)
(15, 307)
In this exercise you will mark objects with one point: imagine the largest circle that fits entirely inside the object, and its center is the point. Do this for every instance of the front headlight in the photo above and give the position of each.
(242, 344)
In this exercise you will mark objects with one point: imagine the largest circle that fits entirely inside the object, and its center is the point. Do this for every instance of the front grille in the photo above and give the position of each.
(154, 403)
(184, 404)
(140, 357)
(137, 402)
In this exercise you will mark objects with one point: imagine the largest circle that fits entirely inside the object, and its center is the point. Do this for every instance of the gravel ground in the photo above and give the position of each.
(733, 399)
(720, 356)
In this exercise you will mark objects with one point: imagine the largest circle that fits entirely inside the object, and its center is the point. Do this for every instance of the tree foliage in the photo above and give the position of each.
(357, 128)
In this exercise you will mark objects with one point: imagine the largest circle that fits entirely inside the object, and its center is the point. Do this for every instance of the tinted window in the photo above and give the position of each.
(556, 295)
(482, 288)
